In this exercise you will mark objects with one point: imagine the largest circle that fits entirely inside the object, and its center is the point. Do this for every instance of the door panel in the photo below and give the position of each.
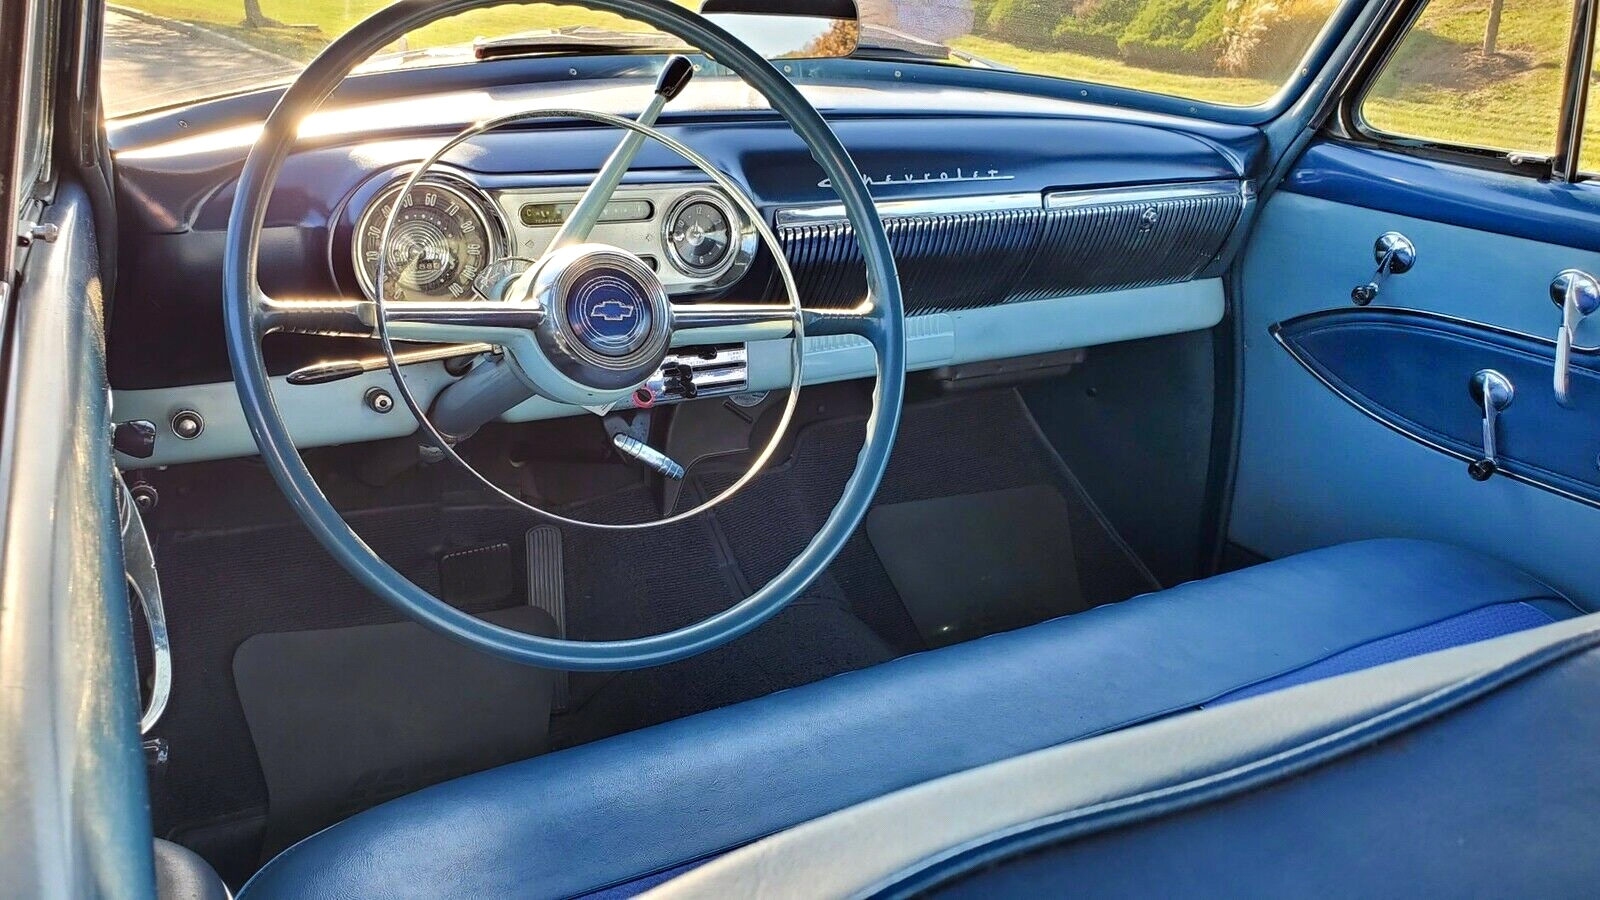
(74, 798)
(1316, 470)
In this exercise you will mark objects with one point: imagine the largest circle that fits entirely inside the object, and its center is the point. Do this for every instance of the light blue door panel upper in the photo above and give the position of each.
(1314, 470)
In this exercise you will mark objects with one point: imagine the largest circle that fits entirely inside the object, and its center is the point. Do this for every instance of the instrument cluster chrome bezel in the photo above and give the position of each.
(645, 237)
(741, 242)
(459, 185)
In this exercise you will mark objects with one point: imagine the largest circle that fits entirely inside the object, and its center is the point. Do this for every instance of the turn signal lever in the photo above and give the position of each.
(338, 369)
(1493, 393)
(1395, 255)
(1578, 295)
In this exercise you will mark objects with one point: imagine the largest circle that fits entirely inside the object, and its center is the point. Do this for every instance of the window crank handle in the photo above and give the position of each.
(1395, 255)
(1493, 393)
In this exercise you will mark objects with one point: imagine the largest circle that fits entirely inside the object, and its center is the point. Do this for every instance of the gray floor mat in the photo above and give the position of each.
(343, 719)
(975, 564)
(966, 444)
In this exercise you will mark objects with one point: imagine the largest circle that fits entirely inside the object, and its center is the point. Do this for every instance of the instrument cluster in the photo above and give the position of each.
(454, 240)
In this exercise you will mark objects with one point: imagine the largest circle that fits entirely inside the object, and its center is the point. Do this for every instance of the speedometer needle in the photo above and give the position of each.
(674, 77)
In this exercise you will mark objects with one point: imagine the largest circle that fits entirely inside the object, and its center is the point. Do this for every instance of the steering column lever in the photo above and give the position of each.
(580, 222)
(1578, 294)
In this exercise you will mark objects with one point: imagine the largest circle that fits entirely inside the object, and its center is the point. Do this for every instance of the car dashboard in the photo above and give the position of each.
(1022, 226)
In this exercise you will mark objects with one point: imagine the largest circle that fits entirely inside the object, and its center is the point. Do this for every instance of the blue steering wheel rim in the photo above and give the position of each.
(885, 332)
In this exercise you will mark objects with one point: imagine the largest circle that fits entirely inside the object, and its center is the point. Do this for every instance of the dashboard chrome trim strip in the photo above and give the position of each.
(833, 213)
(1147, 193)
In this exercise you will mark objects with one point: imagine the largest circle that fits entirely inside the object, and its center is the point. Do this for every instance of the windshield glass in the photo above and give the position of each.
(1236, 52)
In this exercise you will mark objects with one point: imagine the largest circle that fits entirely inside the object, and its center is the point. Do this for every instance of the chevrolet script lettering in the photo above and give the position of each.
(961, 174)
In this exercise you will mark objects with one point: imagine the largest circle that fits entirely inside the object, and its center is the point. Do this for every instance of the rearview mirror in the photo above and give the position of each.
(789, 29)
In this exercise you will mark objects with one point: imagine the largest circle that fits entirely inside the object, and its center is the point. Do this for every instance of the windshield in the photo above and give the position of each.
(1236, 52)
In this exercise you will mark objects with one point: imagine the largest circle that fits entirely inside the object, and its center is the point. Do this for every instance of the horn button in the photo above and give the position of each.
(607, 322)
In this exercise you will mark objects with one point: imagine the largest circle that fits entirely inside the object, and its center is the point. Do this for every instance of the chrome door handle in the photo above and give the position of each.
(1578, 295)
(139, 565)
(1395, 255)
(1493, 392)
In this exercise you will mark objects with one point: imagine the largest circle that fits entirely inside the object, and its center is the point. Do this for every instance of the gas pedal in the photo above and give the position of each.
(547, 591)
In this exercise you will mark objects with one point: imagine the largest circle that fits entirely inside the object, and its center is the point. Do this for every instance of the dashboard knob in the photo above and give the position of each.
(136, 439)
(187, 424)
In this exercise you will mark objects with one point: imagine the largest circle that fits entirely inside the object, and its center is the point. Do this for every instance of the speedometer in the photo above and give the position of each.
(442, 238)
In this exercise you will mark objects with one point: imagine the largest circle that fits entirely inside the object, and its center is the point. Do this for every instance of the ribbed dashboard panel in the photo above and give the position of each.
(1127, 243)
(1069, 244)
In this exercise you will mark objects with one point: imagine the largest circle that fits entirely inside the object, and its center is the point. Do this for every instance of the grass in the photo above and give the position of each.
(1440, 87)
(1100, 70)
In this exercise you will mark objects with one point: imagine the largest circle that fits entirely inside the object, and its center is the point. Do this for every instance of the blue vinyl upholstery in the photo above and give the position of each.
(608, 813)
(1470, 627)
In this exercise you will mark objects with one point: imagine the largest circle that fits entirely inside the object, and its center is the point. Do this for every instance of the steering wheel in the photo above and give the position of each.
(546, 350)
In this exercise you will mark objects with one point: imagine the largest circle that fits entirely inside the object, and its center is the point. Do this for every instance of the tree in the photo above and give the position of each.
(255, 18)
(1491, 32)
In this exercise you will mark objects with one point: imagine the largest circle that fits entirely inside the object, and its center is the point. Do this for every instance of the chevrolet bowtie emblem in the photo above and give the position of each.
(611, 311)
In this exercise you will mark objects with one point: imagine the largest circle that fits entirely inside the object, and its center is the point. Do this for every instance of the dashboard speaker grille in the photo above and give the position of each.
(963, 260)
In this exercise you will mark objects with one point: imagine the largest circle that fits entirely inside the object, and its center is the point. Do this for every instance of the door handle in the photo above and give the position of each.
(1493, 393)
(1578, 295)
(1395, 255)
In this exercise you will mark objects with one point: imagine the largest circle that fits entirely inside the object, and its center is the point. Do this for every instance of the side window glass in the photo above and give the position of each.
(34, 120)
(1483, 74)
(1589, 146)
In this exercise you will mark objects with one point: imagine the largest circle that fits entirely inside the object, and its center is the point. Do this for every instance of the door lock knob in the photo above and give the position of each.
(1493, 393)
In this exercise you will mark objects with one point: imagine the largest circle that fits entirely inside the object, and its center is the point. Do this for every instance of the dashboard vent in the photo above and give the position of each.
(961, 260)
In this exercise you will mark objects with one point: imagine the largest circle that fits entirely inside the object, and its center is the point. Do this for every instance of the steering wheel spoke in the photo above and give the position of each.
(337, 317)
(864, 320)
(695, 324)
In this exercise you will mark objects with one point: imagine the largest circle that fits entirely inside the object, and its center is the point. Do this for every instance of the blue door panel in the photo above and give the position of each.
(1503, 203)
(1313, 469)
(1409, 370)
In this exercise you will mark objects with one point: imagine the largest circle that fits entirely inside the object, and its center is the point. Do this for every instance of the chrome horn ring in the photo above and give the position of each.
(570, 357)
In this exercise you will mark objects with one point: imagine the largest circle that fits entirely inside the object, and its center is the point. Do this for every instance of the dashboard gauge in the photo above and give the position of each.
(698, 234)
(443, 238)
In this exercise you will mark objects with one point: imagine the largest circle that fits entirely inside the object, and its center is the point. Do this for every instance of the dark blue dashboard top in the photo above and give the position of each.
(913, 137)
